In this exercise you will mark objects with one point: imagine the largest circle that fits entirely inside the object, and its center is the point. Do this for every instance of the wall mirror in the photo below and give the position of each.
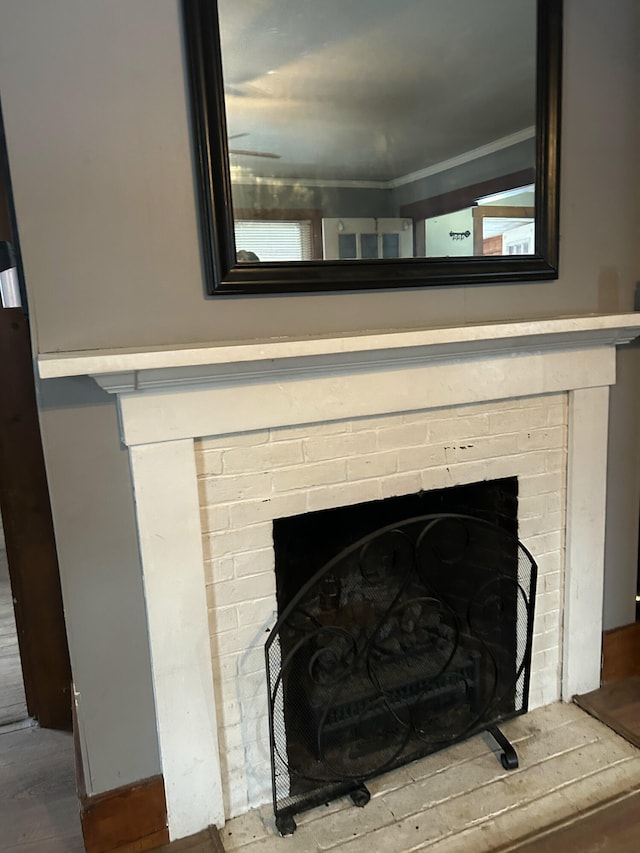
(367, 144)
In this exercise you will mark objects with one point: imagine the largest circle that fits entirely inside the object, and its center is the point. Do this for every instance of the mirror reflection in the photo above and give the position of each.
(367, 129)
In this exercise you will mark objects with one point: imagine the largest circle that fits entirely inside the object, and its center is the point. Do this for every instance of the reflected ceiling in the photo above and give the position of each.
(373, 90)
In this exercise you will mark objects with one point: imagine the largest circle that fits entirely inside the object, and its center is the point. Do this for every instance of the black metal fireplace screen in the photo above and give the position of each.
(414, 637)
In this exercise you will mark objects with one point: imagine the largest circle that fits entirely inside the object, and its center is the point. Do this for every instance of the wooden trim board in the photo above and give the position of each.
(617, 705)
(130, 819)
(621, 653)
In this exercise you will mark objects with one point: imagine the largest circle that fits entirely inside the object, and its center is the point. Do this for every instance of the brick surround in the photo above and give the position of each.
(248, 479)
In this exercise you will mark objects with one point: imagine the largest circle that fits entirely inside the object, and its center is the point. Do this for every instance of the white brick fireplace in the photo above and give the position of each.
(225, 438)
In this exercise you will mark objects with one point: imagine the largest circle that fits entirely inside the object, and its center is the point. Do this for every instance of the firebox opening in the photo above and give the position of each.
(304, 543)
(404, 626)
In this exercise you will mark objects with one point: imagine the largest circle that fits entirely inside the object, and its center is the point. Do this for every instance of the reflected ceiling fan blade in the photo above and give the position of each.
(247, 153)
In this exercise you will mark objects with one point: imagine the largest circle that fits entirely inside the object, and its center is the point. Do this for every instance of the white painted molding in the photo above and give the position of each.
(132, 369)
(585, 533)
(168, 412)
(170, 540)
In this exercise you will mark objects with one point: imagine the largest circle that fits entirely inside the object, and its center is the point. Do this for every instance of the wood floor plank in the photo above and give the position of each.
(617, 705)
(614, 829)
(13, 703)
(39, 808)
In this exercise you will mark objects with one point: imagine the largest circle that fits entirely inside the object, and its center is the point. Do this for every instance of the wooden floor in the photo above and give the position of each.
(13, 705)
(38, 802)
(614, 828)
(618, 706)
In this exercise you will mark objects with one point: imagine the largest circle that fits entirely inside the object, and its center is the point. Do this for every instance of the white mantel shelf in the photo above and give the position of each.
(121, 370)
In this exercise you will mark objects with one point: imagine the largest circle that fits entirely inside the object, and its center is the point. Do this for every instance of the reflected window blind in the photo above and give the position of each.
(275, 239)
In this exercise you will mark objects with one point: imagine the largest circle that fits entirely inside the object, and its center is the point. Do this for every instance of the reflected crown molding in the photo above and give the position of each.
(239, 177)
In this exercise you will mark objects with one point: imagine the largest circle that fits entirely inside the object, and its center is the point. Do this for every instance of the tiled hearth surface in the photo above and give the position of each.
(461, 800)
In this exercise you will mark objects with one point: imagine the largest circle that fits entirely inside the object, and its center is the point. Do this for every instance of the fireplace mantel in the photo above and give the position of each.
(170, 397)
(121, 370)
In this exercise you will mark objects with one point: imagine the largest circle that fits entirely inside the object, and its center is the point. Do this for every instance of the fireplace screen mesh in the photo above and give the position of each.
(414, 637)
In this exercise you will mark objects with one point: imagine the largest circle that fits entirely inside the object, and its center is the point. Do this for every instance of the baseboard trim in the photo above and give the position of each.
(621, 653)
(130, 819)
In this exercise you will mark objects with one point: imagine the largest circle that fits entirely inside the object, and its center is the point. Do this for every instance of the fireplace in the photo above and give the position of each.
(414, 636)
(226, 439)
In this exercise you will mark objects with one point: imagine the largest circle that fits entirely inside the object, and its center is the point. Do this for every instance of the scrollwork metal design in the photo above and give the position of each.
(411, 639)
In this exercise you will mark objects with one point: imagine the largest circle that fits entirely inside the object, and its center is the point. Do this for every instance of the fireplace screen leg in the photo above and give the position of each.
(360, 796)
(285, 824)
(508, 756)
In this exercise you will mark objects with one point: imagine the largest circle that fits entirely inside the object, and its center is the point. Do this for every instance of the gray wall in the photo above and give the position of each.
(95, 109)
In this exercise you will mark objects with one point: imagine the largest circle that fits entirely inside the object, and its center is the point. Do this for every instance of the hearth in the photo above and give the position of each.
(413, 637)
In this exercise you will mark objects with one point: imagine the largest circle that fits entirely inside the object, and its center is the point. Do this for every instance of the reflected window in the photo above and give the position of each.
(273, 240)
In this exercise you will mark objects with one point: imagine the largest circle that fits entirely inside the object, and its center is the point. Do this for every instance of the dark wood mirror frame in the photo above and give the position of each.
(224, 276)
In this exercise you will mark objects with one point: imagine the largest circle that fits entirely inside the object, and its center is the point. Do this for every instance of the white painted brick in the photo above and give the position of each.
(339, 446)
(531, 506)
(256, 733)
(401, 484)
(542, 482)
(216, 570)
(453, 475)
(227, 713)
(244, 589)
(459, 428)
(232, 738)
(551, 582)
(555, 502)
(519, 464)
(548, 602)
(252, 537)
(226, 670)
(519, 419)
(547, 641)
(372, 465)
(252, 687)
(213, 518)
(274, 506)
(261, 611)
(220, 618)
(262, 458)
(254, 562)
(238, 439)
(557, 414)
(252, 500)
(552, 621)
(539, 439)
(252, 660)
(214, 490)
(420, 458)
(241, 639)
(403, 435)
(345, 494)
(310, 475)
(546, 523)
(209, 461)
(547, 563)
(555, 460)
(481, 448)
